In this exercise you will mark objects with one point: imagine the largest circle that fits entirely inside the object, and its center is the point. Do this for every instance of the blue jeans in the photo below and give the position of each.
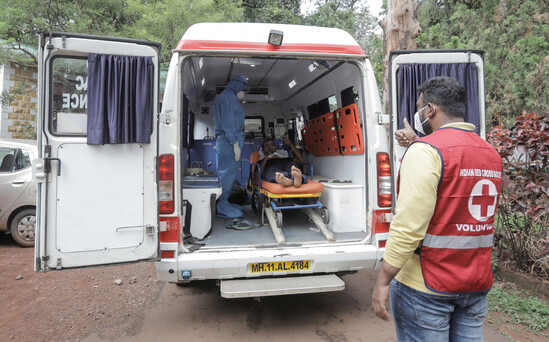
(421, 316)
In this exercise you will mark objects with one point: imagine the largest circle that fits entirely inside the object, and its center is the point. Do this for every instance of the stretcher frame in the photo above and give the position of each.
(272, 209)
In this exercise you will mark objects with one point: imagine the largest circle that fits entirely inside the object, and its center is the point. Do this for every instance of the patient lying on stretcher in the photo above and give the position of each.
(278, 167)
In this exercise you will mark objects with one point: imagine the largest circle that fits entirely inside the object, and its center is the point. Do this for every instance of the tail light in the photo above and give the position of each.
(166, 183)
(384, 196)
(381, 221)
(170, 228)
(167, 254)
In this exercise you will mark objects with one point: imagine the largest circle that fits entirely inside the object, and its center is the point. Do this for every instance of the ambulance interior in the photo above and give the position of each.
(290, 96)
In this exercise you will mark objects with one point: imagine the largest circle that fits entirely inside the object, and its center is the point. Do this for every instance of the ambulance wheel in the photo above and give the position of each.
(278, 218)
(325, 215)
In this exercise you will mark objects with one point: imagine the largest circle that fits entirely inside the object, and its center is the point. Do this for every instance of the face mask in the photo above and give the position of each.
(419, 125)
(240, 95)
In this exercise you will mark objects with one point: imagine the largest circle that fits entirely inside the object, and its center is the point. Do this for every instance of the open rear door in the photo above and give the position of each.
(409, 69)
(97, 113)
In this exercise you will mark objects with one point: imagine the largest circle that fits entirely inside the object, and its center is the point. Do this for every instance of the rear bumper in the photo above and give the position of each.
(202, 265)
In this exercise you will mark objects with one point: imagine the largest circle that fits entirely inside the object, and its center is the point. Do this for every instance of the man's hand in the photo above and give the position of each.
(271, 156)
(406, 135)
(287, 140)
(236, 150)
(381, 291)
(379, 298)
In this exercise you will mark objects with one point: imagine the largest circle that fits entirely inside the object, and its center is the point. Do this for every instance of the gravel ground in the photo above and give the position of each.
(72, 304)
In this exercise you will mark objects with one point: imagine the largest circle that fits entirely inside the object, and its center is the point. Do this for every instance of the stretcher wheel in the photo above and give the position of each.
(278, 218)
(325, 215)
(255, 202)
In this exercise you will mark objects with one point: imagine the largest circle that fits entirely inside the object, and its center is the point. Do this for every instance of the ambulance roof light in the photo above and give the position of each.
(275, 37)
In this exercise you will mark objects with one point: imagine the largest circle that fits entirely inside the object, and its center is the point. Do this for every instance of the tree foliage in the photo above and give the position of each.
(272, 11)
(165, 21)
(523, 211)
(515, 37)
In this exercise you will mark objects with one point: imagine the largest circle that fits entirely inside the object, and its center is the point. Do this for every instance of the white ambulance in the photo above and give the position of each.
(127, 176)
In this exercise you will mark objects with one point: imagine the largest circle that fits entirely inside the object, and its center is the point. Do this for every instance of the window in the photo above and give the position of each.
(70, 96)
(348, 96)
(22, 161)
(7, 157)
(332, 101)
(254, 127)
(322, 107)
(14, 159)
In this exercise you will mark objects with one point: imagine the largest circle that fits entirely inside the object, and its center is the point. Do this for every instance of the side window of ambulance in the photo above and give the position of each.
(70, 96)
(332, 101)
(349, 96)
(322, 107)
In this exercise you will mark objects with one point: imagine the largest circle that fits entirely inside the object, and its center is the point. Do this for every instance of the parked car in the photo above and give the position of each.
(17, 190)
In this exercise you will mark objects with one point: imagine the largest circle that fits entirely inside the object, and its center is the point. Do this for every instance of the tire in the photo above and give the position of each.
(255, 202)
(278, 218)
(325, 215)
(23, 227)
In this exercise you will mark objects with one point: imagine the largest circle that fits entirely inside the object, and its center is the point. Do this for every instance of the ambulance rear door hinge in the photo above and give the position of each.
(164, 117)
(383, 118)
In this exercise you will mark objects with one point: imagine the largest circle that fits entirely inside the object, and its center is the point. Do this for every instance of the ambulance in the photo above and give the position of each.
(127, 168)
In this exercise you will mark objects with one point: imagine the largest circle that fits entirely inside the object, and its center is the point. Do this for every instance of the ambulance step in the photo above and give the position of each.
(241, 288)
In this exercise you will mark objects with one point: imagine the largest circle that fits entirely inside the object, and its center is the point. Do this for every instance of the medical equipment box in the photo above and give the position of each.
(202, 193)
(344, 202)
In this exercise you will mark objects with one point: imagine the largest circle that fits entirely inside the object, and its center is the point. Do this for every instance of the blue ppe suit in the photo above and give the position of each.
(229, 129)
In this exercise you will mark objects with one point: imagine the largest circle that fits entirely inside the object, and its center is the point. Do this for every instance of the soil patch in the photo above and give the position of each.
(71, 304)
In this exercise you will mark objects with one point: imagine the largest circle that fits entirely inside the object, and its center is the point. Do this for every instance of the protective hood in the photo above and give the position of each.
(237, 83)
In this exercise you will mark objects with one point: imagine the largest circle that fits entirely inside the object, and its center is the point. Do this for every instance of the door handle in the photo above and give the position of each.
(47, 166)
(18, 182)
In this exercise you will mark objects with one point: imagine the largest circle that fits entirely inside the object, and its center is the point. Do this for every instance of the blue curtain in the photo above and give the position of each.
(120, 99)
(411, 76)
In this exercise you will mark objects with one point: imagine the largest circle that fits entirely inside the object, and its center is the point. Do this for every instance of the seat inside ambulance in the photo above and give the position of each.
(315, 102)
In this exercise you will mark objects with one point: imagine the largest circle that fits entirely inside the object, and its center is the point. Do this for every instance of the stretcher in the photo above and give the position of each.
(271, 199)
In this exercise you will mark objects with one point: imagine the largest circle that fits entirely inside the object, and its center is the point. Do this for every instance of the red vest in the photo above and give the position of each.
(456, 251)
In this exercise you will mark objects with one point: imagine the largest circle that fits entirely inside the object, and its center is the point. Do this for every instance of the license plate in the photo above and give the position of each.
(284, 266)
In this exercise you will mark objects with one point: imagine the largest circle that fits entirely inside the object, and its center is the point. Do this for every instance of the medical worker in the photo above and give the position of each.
(229, 129)
(436, 267)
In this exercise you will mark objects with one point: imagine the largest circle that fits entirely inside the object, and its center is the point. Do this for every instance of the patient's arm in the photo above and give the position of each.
(298, 157)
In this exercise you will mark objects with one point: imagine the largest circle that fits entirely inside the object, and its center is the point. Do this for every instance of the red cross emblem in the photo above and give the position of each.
(483, 200)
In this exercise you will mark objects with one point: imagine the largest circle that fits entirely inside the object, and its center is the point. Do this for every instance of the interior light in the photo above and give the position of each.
(312, 67)
(200, 63)
(291, 84)
(275, 37)
(203, 81)
(252, 65)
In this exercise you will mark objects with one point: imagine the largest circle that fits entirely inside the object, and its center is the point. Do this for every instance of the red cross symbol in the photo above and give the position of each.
(484, 200)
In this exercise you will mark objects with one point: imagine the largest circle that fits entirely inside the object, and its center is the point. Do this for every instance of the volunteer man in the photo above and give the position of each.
(229, 129)
(440, 239)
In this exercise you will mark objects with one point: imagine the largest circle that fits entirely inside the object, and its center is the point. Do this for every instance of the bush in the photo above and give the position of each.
(522, 222)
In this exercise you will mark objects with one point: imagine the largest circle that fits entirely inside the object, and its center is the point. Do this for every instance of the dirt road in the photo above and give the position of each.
(126, 303)
(70, 305)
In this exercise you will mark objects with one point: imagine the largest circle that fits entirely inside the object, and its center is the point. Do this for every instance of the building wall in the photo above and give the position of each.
(18, 118)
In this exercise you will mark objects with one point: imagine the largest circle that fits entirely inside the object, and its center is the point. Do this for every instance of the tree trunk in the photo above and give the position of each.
(400, 27)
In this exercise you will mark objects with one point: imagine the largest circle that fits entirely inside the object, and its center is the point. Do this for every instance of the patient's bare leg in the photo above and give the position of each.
(281, 179)
(296, 173)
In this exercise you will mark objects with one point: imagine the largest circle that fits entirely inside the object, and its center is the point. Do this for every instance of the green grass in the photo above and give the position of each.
(523, 308)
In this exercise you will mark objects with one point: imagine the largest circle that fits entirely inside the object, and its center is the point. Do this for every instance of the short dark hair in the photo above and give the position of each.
(447, 93)
(266, 141)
